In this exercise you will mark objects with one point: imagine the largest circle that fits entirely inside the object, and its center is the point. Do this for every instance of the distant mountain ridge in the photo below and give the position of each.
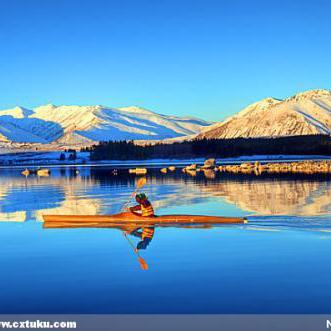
(50, 124)
(305, 113)
(302, 114)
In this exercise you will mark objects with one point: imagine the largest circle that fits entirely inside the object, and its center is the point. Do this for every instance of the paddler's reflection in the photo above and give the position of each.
(145, 233)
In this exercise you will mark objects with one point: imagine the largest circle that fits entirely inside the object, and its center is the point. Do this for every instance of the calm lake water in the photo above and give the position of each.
(278, 263)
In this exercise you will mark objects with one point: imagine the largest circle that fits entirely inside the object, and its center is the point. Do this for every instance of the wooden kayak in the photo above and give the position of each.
(128, 219)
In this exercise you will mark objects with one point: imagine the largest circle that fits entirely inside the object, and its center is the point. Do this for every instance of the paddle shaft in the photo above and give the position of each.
(131, 244)
(141, 182)
(141, 261)
(127, 203)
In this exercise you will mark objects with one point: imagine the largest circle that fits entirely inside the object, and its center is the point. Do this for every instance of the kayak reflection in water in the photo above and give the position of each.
(144, 209)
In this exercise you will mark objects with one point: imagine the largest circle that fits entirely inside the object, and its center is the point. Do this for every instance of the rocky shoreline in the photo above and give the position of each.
(256, 168)
(302, 167)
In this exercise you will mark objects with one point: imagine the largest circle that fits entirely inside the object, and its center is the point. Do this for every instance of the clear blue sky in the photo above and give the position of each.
(203, 58)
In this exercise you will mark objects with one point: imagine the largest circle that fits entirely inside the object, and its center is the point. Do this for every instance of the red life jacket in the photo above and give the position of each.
(147, 209)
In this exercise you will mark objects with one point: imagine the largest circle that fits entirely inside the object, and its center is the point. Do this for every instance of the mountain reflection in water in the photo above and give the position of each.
(96, 191)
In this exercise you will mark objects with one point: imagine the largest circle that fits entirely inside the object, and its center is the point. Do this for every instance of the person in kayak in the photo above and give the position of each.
(143, 209)
(144, 206)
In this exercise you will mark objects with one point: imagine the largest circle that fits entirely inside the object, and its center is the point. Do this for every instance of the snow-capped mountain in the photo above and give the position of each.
(303, 114)
(86, 124)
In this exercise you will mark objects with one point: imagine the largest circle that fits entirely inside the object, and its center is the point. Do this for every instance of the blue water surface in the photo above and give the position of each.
(277, 263)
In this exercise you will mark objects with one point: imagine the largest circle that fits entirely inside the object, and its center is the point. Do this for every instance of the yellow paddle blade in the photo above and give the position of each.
(143, 264)
(141, 182)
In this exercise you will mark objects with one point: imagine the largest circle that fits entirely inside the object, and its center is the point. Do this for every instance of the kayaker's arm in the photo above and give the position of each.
(136, 233)
(135, 208)
(133, 231)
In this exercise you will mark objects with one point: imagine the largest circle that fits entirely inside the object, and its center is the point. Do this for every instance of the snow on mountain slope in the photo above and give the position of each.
(17, 112)
(28, 129)
(303, 114)
(87, 124)
(3, 138)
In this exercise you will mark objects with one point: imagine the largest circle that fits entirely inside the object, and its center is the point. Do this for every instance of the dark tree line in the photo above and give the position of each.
(72, 155)
(125, 150)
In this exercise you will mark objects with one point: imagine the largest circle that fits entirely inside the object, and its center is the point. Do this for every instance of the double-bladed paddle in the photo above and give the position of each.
(140, 183)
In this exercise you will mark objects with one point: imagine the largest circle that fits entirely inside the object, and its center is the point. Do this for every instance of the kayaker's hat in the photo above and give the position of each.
(141, 196)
